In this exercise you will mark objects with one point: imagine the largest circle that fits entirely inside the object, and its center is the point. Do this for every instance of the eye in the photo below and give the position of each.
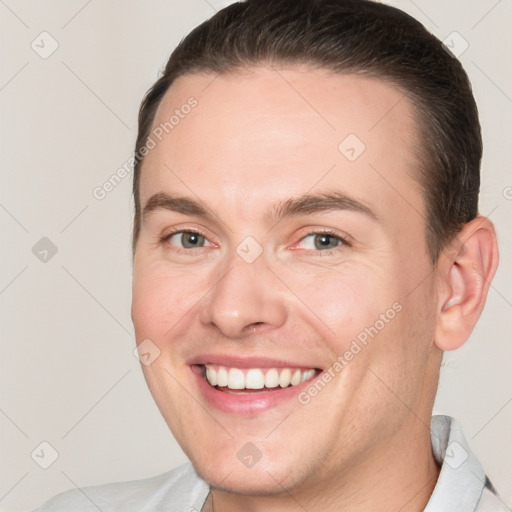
(322, 241)
(319, 241)
(186, 239)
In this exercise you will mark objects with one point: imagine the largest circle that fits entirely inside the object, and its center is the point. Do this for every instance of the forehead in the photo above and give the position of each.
(268, 133)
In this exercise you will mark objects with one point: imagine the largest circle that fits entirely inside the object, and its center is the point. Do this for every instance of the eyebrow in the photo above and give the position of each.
(306, 204)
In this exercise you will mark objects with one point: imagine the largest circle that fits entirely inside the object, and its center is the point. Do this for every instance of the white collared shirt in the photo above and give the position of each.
(462, 485)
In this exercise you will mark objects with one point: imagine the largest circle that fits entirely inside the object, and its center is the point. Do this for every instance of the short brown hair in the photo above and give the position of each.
(350, 36)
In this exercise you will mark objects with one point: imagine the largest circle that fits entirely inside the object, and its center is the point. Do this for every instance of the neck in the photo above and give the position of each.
(400, 476)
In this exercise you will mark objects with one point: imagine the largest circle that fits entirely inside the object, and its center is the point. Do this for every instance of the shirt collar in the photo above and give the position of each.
(462, 478)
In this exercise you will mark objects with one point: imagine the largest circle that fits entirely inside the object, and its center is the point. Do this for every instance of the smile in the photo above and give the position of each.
(236, 379)
(252, 389)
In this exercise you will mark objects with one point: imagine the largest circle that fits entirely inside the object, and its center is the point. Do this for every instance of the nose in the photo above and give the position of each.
(247, 295)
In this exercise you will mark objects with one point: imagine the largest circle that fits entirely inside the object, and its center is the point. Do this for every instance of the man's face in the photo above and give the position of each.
(267, 286)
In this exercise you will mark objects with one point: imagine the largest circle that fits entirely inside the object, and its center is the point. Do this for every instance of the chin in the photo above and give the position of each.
(251, 483)
(262, 479)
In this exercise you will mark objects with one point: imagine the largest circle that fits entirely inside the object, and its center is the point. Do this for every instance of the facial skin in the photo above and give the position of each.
(254, 140)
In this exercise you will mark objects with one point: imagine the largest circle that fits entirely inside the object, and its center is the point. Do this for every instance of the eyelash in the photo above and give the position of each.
(182, 250)
(327, 252)
(344, 243)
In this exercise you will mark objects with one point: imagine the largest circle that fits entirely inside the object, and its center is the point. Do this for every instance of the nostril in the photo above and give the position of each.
(253, 325)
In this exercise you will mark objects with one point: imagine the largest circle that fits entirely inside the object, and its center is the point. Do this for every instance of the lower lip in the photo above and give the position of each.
(249, 404)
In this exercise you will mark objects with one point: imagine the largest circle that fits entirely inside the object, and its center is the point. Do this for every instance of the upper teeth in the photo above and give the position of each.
(256, 378)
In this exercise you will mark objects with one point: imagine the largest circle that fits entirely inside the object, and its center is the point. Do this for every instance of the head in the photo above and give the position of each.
(326, 154)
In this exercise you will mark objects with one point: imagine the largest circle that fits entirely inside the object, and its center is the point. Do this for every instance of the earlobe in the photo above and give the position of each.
(466, 276)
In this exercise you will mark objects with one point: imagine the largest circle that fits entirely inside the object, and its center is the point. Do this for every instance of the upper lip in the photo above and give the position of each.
(236, 361)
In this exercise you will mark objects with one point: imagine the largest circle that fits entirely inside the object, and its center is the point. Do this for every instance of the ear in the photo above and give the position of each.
(466, 270)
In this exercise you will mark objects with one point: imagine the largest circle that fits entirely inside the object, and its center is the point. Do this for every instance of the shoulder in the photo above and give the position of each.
(176, 490)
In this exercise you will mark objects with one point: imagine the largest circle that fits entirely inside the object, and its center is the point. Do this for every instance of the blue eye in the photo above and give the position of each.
(186, 239)
(189, 239)
(322, 241)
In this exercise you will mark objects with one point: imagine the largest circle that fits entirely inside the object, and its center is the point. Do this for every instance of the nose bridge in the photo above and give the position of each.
(247, 293)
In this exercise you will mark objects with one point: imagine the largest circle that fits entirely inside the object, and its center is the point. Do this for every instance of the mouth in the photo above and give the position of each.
(250, 391)
(250, 380)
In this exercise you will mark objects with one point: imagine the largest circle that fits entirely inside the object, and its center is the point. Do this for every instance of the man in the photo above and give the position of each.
(306, 245)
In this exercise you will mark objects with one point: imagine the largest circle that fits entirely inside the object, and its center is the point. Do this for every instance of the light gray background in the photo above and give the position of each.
(68, 374)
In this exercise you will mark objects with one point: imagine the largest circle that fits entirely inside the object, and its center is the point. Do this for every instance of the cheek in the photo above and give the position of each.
(146, 304)
(346, 300)
(161, 298)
